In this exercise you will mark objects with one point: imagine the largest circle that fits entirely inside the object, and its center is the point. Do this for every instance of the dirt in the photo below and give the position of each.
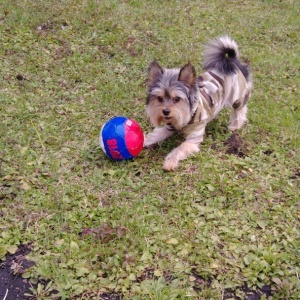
(236, 145)
(12, 285)
(249, 294)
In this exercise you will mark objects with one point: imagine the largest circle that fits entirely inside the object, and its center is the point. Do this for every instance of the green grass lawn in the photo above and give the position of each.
(219, 223)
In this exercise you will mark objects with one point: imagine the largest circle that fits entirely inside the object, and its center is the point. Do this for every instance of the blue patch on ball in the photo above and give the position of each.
(121, 138)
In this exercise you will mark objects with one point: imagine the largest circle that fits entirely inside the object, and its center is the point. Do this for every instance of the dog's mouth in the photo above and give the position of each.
(168, 120)
(165, 120)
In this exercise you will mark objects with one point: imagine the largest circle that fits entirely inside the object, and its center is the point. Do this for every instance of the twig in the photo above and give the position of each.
(5, 294)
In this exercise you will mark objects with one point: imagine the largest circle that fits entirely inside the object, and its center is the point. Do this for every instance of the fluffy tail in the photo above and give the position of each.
(222, 54)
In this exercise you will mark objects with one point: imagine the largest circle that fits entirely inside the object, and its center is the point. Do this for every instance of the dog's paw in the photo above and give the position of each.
(232, 128)
(148, 143)
(170, 164)
(150, 146)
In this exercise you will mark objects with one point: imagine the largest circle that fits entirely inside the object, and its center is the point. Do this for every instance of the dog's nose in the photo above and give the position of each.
(166, 111)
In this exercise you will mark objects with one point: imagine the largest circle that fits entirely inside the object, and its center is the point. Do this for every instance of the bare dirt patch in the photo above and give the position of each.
(12, 285)
(236, 145)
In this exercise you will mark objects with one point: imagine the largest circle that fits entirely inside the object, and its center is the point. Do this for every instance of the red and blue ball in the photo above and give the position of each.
(121, 138)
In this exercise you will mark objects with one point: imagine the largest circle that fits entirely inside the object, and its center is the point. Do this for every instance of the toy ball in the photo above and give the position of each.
(121, 138)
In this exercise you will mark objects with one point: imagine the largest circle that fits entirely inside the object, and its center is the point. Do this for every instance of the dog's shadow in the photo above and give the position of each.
(215, 130)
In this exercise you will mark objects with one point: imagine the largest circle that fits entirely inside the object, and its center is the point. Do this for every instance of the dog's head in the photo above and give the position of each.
(170, 94)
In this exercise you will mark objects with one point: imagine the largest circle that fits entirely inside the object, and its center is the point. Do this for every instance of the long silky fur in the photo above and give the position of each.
(222, 54)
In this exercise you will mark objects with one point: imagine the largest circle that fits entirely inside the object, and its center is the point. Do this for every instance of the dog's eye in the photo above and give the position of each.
(160, 99)
(176, 99)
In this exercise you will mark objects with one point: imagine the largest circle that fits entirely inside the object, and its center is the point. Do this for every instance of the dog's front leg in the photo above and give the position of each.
(186, 149)
(158, 135)
(181, 152)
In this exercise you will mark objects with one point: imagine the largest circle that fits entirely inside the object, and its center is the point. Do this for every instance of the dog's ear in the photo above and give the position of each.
(154, 71)
(187, 74)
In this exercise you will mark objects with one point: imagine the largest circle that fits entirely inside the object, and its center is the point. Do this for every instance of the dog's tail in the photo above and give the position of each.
(222, 54)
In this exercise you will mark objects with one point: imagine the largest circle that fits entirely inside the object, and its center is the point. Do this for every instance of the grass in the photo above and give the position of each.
(220, 222)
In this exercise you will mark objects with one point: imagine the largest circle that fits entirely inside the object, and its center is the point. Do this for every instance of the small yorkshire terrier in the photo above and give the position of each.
(178, 100)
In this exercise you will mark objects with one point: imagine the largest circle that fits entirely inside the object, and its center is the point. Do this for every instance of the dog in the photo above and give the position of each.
(179, 101)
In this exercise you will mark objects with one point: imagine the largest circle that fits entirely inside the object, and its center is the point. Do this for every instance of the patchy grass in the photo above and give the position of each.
(224, 224)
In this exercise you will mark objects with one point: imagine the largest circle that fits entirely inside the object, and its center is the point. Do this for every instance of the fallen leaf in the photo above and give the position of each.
(214, 266)
(74, 245)
(158, 273)
(12, 249)
(132, 277)
(81, 271)
(146, 256)
(172, 241)
(104, 231)
(25, 186)
(277, 281)
(121, 231)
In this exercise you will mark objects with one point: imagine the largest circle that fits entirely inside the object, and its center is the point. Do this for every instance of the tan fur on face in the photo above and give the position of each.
(179, 113)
